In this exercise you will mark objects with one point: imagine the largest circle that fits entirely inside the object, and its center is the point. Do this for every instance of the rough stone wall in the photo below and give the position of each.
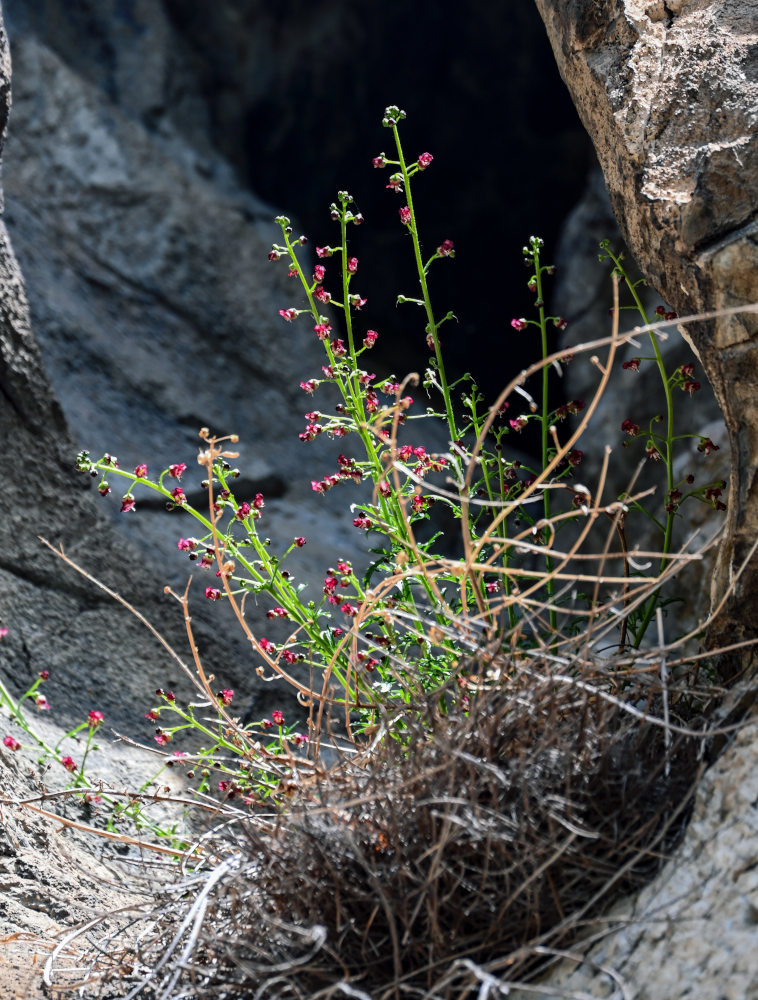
(155, 308)
(669, 95)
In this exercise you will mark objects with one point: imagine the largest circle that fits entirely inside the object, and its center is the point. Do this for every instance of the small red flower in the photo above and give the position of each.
(630, 428)
(186, 544)
(178, 494)
(141, 472)
(352, 265)
(323, 252)
(127, 503)
(357, 302)
(574, 457)
(95, 719)
(424, 161)
(379, 161)
(103, 489)
(226, 696)
(243, 511)
(42, 703)
(707, 446)
(213, 593)
(68, 763)
(277, 717)
(162, 738)
(309, 386)
(519, 324)
(319, 272)
(691, 386)
(518, 424)
(154, 714)
(370, 339)
(288, 314)
(349, 609)
(300, 541)
(405, 216)
(632, 365)
(12, 744)
(445, 248)
(320, 293)
(267, 645)
(175, 471)
(276, 613)
(43, 674)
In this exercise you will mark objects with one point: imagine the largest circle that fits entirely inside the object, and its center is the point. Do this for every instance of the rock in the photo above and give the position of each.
(691, 932)
(157, 311)
(668, 94)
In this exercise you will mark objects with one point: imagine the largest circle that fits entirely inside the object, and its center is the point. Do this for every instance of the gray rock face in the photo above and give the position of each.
(156, 310)
(669, 96)
(692, 932)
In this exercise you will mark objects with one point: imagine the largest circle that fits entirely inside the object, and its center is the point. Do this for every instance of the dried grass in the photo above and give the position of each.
(478, 841)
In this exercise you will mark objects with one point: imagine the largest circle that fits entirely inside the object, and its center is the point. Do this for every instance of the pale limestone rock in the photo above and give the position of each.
(693, 931)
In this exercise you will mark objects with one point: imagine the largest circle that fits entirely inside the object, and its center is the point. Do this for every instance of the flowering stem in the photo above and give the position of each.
(14, 707)
(668, 455)
(544, 419)
(432, 325)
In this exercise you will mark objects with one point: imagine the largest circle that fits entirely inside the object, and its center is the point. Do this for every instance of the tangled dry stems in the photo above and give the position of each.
(467, 845)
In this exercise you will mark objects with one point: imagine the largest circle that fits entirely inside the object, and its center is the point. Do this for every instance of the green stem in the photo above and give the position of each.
(544, 428)
(432, 325)
(668, 442)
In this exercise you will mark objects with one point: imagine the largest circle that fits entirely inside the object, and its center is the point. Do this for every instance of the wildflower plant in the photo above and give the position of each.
(401, 631)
